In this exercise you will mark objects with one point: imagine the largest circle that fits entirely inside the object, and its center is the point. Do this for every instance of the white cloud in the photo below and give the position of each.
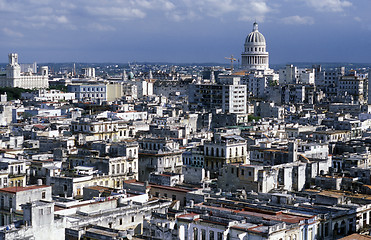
(107, 15)
(61, 19)
(298, 20)
(329, 5)
(255, 10)
(118, 13)
(358, 19)
(242, 9)
(101, 27)
(12, 33)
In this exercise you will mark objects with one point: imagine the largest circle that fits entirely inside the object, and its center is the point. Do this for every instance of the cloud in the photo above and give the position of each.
(108, 15)
(61, 19)
(118, 13)
(245, 10)
(101, 27)
(12, 33)
(255, 10)
(329, 5)
(298, 20)
(358, 19)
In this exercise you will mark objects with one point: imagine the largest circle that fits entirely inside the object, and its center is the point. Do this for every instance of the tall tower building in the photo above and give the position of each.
(13, 69)
(255, 56)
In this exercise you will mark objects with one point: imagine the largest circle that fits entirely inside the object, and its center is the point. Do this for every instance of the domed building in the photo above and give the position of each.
(255, 56)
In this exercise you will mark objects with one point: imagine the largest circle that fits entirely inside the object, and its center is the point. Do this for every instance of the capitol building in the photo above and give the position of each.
(255, 56)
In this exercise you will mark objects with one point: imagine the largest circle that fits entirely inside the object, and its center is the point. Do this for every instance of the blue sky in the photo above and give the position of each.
(183, 31)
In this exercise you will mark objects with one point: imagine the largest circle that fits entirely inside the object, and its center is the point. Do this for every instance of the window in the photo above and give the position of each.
(41, 211)
(203, 234)
(195, 233)
(211, 235)
(43, 195)
(49, 210)
(132, 218)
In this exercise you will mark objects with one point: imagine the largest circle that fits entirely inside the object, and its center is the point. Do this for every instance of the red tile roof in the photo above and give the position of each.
(21, 189)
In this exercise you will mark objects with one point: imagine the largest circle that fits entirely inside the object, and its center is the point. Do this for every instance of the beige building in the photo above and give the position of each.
(101, 129)
(114, 91)
(223, 150)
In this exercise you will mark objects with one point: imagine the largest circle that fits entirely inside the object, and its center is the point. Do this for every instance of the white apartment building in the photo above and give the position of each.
(228, 94)
(353, 85)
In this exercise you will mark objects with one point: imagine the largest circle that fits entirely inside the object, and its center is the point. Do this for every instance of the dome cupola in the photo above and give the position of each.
(255, 37)
(255, 56)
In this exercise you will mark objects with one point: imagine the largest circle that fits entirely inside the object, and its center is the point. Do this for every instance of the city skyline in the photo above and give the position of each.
(183, 31)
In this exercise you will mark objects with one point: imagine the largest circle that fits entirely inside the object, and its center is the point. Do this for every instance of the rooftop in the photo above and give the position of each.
(21, 189)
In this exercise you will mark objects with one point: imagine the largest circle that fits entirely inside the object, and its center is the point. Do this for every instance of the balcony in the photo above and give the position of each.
(16, 175)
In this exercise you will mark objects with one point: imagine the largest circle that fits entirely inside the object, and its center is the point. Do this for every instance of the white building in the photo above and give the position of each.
(293, 75)
(328, 79)
(52, 95)
(255, 56)
(15, 78)
(89, 72)
(144, 88)
(353, 85)
(94, 93)
(227, 94)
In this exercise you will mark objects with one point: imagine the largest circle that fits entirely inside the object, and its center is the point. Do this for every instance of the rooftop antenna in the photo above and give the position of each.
(231, 59)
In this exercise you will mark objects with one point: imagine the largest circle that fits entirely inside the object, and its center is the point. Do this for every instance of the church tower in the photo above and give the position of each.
(255, 55)
(13, 69)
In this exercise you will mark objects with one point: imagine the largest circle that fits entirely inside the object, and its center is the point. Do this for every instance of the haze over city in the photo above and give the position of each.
(183, 31)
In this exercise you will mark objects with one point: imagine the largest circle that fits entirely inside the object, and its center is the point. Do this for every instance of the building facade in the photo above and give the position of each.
(13, 76)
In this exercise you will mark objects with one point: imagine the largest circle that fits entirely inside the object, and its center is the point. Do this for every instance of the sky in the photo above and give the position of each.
(183, 31)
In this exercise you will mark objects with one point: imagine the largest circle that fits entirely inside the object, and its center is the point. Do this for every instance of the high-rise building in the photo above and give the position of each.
(255, 55)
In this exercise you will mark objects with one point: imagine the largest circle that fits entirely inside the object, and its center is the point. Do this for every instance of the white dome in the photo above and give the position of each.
(255, 37)
(255, 56)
